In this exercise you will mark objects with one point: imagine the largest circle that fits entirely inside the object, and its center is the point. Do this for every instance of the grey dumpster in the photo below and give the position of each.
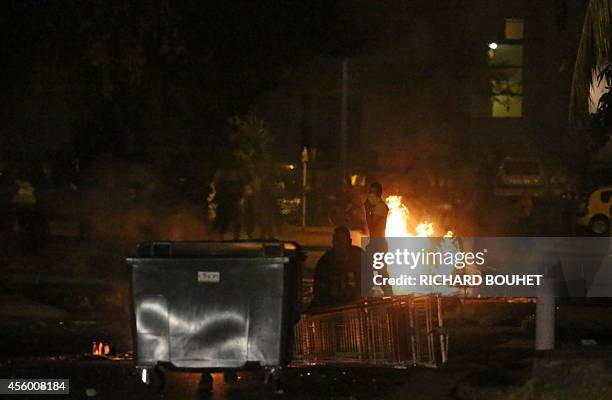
(214, 306)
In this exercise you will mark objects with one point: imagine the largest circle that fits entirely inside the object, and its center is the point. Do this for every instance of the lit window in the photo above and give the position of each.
(506, 62)
(514, 29)
(506, 55)
(505, 99)
(506, 106)
(507, 81)
(507, 92)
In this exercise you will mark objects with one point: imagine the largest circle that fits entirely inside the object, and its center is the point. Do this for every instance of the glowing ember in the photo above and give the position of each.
(100, 349)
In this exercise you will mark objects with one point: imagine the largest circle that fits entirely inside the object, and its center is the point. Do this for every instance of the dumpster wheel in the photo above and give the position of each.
(154, 378)
(206, 383)
(272, 380)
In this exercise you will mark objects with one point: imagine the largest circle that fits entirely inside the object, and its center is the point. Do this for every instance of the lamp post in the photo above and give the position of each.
(344, 118)
(304, 183)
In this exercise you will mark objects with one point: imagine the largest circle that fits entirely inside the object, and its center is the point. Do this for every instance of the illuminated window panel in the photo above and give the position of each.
(514, 29)
(507, 81)
(506, 106)
(506, 55)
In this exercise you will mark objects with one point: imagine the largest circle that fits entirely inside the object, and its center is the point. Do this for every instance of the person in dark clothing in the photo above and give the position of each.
(247, 209)
(337, 276)
(228, 186)
(524, 205)
(376, 211)
(7, 218)
(568, 205)
(356, 218)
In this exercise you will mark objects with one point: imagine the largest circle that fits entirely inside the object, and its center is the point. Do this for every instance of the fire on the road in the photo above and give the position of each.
(399, 225)
(100, 349)
(398, 221)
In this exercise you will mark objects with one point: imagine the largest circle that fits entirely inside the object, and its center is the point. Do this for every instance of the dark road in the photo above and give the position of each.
(107, 379)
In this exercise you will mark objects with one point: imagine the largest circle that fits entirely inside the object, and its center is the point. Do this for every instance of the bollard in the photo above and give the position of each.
(545, 315)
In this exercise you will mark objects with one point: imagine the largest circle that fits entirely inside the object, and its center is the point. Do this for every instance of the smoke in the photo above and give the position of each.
(129, 203)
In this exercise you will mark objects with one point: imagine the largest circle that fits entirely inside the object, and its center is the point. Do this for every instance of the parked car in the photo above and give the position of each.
(517, 176)
(594, 212)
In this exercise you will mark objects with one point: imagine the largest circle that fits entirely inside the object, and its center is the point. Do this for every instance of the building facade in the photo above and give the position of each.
(442, 82)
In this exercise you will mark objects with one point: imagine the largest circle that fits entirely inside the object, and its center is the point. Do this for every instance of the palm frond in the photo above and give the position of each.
(594, 52)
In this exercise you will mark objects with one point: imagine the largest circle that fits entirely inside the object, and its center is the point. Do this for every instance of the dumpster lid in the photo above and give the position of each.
(260, 248)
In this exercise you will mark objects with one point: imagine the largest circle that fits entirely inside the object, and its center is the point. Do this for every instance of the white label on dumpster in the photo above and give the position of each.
(209, 276)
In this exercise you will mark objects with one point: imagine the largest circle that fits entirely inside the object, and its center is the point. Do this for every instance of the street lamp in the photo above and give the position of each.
(304, 183)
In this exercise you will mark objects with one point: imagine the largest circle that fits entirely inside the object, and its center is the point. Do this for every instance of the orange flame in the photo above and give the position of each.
(398, 220)
(100, 349)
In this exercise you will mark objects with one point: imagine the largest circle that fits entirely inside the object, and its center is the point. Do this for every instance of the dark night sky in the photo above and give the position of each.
(92, 77)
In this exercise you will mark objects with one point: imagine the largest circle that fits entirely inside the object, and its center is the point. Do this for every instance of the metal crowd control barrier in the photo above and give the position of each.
(393, 332)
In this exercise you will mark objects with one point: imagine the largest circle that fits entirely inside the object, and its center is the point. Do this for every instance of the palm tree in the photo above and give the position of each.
(252, 143)
(594, 55)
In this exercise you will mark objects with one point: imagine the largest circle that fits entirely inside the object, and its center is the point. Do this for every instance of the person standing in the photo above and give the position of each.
(355, 211)
(568, 200)
(8, 189)
(376, 211)
(228, 188)
(525, 208)
(247, 209)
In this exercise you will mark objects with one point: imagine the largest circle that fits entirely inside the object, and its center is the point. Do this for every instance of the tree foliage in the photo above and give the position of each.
(154, 81)
(594, 53)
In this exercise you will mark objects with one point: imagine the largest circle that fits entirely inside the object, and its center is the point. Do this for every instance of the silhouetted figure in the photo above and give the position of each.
(568, 202)
(524, 207)
(7, 218)
(247, 209)
(229, 187)
(31, 224)
(356, 218)
(376, 211)
(337, 277)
